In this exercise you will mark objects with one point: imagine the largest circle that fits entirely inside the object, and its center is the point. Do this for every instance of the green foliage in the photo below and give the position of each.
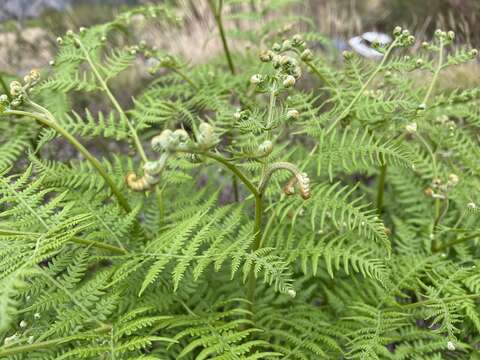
(133, 242)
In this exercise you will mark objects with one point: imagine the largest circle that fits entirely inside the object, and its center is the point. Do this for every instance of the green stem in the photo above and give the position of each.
(236, 195)
(435, 74)
(236, 171)
(434, 301)
(317, 72)
(430, 152)
(185, 77)
(5, 88)
(95, 163)
(8, 351)
(381, 188)
(99, 245)
(74, 239)
(217, 14)
(346, 111)
(114, 101)
(454, 242)
(257, 230)
(251, 284)
(271, 105)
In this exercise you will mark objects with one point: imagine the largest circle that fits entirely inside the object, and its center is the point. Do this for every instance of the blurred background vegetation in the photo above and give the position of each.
(28, 28)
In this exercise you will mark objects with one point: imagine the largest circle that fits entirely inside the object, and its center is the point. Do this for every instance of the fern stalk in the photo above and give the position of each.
(346, 111)
(455, 242)
(74, 239)
(436, 73)
(435, 301)
(71, 139)
(9, 351)
(257, 230)
(217, 14)
(5, 87)
(381, 187)
(114, 101)
(185, 77)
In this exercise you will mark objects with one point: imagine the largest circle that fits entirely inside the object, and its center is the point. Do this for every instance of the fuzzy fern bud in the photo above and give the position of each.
(237, 115)
(206, 137)
(306, 55)
(304, 186)
(297, 40)
(293, 114)
(256, 79)
(450, 35)
(82, 30)
(10, 339)
(473, 53)
(266, 56)
(286, 45)
(471, 205)
(397, 30)
(289, 81)
(32, 78)
(265, 148)
(292, 293)
(453, 180)
(59, 40)
(162, 142)
(411, 128)
(450, 345)
(3, 99)
(15, 88)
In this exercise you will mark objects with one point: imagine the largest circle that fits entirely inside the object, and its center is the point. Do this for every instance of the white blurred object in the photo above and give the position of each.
(363, 44)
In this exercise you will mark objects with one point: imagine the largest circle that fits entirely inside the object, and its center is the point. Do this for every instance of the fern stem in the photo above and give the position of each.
(93, 160)
(317, 72)
(435, 74)
(257, 230)
(114, 101)
(74, 239)
(217, 14)
(454, 242)
(185, 77)
(99, 245)
(251, 284)
(5, 88)
(381, 187)
(430, 152)
(346, 111)
(433, 301)
(225, 162)
(271, 105)
(45, 344)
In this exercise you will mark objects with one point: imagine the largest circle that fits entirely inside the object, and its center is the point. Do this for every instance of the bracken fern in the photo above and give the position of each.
(187, 240)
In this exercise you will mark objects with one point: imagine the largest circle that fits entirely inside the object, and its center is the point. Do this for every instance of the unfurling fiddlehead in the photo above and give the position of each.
(299, 178)
(167, 143)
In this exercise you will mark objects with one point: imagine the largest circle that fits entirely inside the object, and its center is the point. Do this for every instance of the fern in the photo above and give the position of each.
(280, 206)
